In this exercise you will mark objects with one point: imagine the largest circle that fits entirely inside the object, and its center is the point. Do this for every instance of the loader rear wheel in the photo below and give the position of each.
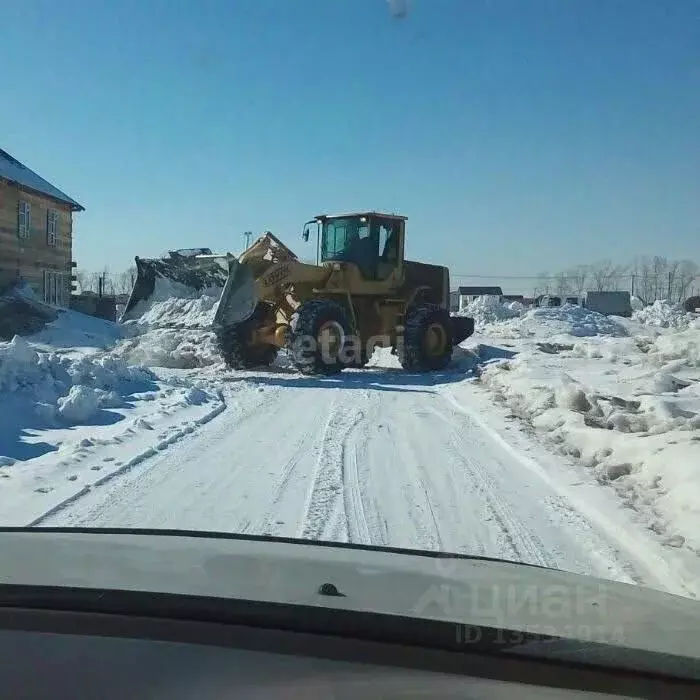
(319, 337)
(237, 348)
(427, 339)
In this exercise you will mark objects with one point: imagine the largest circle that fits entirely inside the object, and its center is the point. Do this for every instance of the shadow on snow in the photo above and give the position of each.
(465, 365)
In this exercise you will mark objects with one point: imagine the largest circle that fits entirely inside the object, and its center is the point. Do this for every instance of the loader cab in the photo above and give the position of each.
(373, 242)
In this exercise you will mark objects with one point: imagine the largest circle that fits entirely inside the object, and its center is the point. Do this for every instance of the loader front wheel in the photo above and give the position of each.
(321, 331)
(427, 339)
(236, 346)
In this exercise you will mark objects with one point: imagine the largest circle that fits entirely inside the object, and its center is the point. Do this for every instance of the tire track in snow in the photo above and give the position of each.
(524, 545)
(325, 512)
(269, 521)
(392, 458)
(353, 495)
(135, 461)
(70, 512)
(628, 553)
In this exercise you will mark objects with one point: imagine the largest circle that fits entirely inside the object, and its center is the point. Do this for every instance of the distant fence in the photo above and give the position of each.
(93, 305)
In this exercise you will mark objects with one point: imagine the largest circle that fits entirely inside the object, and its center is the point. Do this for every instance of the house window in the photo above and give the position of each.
(54, 288)
(24, 219)
(51, 226)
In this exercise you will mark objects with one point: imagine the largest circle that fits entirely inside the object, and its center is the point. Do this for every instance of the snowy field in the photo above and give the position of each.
(558, 437)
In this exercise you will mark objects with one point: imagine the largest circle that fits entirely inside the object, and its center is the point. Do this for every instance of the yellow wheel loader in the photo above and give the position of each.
(361, 294)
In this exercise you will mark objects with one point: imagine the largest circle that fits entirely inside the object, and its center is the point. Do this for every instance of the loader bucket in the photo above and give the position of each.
(185, 275)
(462, 328)
(239, 296)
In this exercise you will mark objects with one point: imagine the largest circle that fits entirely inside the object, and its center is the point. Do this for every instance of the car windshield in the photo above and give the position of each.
(490, 346)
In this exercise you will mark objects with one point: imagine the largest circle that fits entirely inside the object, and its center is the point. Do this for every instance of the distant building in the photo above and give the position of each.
(692, 304)
(36, 232)
(514, 297)
(610, 303)
(468, 294)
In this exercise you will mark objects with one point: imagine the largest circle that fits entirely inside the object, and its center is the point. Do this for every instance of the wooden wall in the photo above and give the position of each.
(31, 256)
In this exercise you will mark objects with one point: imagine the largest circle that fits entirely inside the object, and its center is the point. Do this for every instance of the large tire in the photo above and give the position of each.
(236, 347)
(427, 339)
(308, 326)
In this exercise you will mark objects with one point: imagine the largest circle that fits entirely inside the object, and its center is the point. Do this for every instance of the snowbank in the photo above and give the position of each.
(636, 303)
(662, 314)
(627, 408)
(60, 387)
(574, 320)
(74, 330)
(174, 349)
(488, 309)
(511, 321)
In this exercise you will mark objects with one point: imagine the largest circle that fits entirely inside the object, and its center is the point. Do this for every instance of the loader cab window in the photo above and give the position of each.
(371, 244)
(388, 248)
(340, 237)
(351, 240)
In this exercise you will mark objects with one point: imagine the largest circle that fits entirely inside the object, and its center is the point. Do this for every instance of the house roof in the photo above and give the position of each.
(481, 291)
(14, 171)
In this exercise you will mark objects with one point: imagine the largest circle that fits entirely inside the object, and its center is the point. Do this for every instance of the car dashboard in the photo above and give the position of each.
(61, 654)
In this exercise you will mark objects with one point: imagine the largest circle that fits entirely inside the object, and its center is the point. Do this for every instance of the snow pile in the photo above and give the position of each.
(489, 309)
(182, 313)
(81, 404)
(63, 387)
(553, 321)
(636, 303)
(176, 305)
(24, 290)
(662, 314)
(627, 408)
(675, 350)
(174, 349)
(170, 329)
(574, 320)
(72, 329)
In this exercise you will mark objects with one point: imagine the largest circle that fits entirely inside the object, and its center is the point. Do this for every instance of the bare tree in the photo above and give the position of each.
(561, 284)
(644, 280)
(686, 272)
(84, 280)
(659, 266)
(671, 273)
(125, 281)
(578, 276)
(542, 284)
(601, 274)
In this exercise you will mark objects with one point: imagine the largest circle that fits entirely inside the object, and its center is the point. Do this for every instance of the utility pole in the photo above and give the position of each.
(247, 235)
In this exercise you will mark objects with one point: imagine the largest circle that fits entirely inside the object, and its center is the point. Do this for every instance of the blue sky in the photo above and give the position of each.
(517, 135)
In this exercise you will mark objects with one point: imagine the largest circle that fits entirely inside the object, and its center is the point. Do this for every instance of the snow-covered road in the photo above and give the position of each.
(376, 456)
(579, 453)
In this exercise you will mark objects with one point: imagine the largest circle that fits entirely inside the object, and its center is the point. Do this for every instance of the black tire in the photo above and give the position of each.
(235, 346)
(415, 352)
(306, 351)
